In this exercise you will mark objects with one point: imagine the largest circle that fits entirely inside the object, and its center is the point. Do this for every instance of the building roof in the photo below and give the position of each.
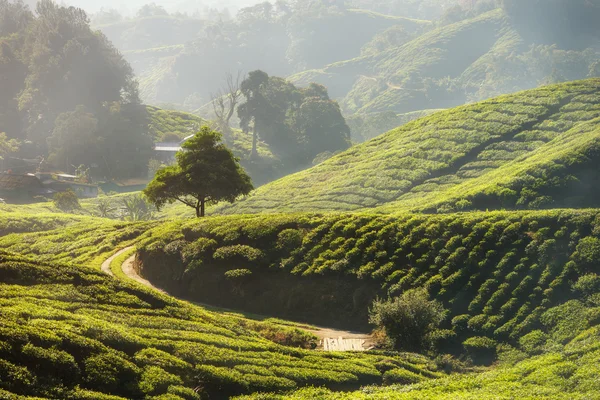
(173, 147)
(15, 182)
(132, 182)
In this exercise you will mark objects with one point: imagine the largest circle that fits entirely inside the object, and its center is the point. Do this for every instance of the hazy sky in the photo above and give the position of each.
(131, 6)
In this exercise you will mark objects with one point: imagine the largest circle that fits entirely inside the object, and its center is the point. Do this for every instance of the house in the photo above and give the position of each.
(166, 151)
(61, 182)
(22, 187)
(125, 185)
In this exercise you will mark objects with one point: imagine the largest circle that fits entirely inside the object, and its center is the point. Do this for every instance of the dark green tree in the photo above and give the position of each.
(68, 65)
(296, 123)
(253, 109)
(73, 139)
(321, 127)
(409, 320)
(206, 172)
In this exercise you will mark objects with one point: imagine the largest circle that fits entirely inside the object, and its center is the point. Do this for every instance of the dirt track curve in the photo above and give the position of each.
(329, 339)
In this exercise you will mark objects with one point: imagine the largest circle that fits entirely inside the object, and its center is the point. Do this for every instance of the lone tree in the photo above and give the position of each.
(206, 172)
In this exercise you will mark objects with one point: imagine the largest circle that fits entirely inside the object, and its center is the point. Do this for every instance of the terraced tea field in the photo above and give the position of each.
(534, 149)
(71, 331)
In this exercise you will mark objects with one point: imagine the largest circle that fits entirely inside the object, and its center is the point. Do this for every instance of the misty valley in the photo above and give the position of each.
(300, 199)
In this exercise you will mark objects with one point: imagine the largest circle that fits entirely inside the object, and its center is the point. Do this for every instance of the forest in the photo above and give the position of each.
(323, 199)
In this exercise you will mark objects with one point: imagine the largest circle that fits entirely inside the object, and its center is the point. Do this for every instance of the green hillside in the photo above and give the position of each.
(498, 274)
(534, 149)
(177, 61)
(69, 331)
(470, 60)
(518, 286)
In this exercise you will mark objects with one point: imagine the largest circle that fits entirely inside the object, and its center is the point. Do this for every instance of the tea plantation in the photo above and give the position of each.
(534, 149)
(520, 287)
(488, 209)
(69, 331)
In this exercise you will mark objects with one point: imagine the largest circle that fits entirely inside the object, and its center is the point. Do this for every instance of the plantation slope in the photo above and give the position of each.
(444, 52)
(499, 274)
(383, 82)
(564, 372)
(70, 331)
(425, 158)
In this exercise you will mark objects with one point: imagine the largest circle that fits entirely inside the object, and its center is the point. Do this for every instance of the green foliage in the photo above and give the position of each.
(71, 104)
(66, 201)
(408, 320)
(68, 331)
(497, 274)
(155, 380)
(401, 377)
(137, 208)
(238, 274)
(206, 171)
(481, 349)
(531, 150)
(587, 285)
(298, 124)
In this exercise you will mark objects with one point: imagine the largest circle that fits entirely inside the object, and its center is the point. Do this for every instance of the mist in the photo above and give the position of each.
(380, 64)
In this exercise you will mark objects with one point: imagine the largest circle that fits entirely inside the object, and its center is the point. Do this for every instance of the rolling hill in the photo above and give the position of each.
(470, 60)
(518, 287)
(177, 58)
(69, 331)
(534, 149)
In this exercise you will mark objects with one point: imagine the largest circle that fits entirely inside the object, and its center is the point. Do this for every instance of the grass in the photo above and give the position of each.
(533, 149)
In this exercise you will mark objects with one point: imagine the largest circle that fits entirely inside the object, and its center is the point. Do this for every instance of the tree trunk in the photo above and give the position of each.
(202, 207)
(254, 153)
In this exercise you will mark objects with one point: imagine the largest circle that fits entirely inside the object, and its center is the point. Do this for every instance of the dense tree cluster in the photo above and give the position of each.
(68, 92)
(298, 123)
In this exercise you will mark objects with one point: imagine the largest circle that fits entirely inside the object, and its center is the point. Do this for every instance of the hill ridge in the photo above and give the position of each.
(433, 154)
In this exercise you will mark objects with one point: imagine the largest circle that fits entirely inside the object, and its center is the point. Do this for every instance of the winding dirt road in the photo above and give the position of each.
(106, 264)
(329, 339)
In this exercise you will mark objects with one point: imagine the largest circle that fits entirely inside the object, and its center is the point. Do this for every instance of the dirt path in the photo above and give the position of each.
(106, 264)
(336, 340)
(129, 270)
(329, 339)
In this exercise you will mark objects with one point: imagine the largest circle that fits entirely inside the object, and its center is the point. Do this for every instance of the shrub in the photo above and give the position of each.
(184, 393)
(238, 274)
(482, 350)
(289, 239)
(66, 201)
(408, 320)
(533, 343)
(156, 380)
(401, 376)
(110, 373)
(238, 252)
(587, 285)
(588, 250)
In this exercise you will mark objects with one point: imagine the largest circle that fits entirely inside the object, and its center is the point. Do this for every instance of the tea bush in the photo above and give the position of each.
(69, 331)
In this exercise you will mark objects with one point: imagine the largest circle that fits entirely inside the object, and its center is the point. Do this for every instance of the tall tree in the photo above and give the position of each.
(252, 110)
(225, 102)
(7, 146)
(321, 127)
(73, 139)
(69, 65)
(206, 172)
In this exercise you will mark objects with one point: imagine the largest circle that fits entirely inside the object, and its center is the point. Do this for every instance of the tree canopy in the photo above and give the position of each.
(55, 69)
(297, 123)
(206, 172)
